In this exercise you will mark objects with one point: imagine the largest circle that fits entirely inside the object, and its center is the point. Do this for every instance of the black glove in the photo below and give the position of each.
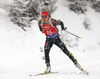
(64, 29)
(42, 31)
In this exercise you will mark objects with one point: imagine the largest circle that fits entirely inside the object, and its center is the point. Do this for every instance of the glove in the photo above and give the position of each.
(42, 31)
(64, 29)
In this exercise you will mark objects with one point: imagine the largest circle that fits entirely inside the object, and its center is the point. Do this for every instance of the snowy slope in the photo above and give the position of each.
(20, 53)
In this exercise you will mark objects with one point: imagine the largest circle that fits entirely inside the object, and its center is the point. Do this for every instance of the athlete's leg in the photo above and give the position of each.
(47, 47)
(62, 46)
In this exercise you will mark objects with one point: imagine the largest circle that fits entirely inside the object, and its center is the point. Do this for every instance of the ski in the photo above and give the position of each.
(44, 73)
(84, 71)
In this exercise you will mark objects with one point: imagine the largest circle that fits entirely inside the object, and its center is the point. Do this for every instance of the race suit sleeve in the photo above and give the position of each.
(39, 24)
(58, 22)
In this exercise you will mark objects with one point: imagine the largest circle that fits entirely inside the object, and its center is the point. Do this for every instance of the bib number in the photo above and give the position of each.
(49, 32)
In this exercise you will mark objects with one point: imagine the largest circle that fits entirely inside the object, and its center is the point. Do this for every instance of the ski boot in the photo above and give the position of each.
(48, 70)
(78, 65)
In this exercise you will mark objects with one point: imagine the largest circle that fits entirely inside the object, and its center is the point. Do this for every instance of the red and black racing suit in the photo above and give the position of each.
(52, 37)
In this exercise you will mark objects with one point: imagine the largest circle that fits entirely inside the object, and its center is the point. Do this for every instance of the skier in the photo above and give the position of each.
(48, 26)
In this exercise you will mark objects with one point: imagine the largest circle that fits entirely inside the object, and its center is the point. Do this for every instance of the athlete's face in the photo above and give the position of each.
(45, 18)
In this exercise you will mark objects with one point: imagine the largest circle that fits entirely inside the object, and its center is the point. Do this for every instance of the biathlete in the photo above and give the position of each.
(48, 26)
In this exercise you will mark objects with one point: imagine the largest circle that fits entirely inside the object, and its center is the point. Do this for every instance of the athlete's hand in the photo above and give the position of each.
(42, 31)
(64, 29)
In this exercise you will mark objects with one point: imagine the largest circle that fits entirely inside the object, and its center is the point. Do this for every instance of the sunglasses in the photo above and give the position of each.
(44, 16)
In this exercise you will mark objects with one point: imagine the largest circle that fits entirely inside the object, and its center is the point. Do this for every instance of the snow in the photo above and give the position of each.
(20, 53)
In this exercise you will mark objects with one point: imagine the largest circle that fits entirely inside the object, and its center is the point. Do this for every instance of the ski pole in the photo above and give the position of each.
(73, 34)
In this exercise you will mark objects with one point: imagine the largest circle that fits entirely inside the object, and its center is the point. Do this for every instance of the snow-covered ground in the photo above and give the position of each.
(20, 53)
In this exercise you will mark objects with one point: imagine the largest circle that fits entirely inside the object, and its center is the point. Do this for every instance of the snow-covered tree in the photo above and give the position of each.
(22, 12)
(96, 5)
(79, 6)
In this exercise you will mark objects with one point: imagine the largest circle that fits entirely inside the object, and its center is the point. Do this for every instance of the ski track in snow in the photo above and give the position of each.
(20, 53)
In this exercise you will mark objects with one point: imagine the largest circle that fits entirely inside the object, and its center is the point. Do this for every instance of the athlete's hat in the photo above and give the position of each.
(45, 13)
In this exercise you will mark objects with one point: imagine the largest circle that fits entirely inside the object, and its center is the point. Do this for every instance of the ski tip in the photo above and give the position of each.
(86, 72)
